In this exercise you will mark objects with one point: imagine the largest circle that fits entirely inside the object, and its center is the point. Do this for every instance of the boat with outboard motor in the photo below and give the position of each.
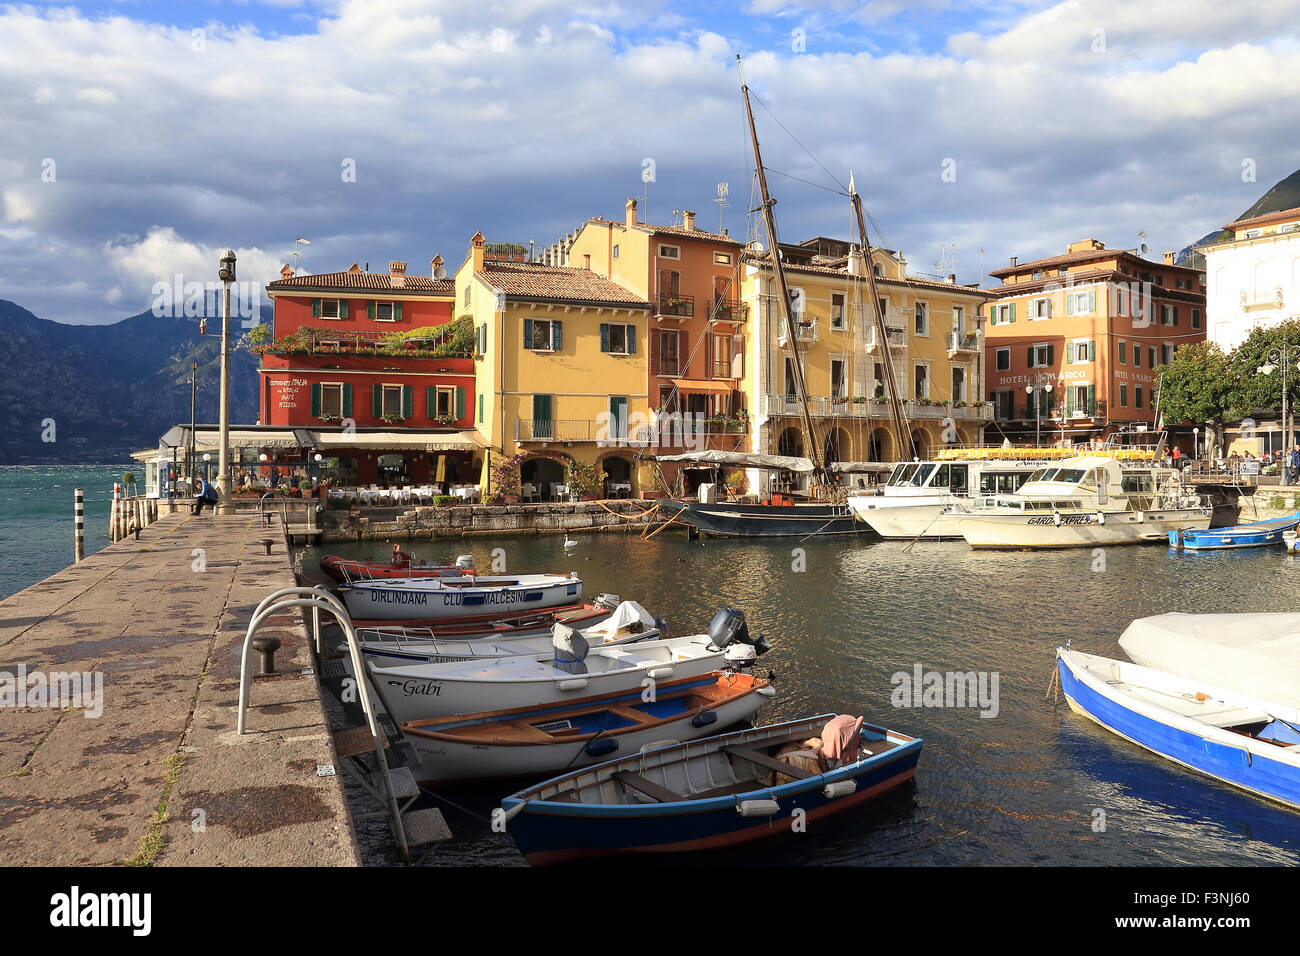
(1085, 501)
(706, 794)
(403, 565)
(459, 598)
(570, 668)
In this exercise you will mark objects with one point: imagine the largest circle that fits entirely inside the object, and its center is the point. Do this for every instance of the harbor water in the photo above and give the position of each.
(36, 518)
(1014, 778)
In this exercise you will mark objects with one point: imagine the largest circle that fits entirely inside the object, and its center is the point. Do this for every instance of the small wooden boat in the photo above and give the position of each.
(395, 645)
(452, 598)
(1256, 534)
(703, 794)
(346, 570)
(1239, 739)
(537, 741)
(508, 624)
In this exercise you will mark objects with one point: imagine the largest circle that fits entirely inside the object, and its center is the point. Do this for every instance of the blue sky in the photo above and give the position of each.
(143, 137)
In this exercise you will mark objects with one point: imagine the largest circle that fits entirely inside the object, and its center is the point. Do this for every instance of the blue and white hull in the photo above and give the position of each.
(1257, 534)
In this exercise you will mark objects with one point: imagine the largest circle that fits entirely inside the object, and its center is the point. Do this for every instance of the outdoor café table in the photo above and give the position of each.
(561, 492)
(616, 486)
(465, 492)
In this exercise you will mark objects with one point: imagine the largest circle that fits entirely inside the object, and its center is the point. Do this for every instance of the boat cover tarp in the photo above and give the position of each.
(859, 467)
(740, 459)
(624, 616)
(1254, 654)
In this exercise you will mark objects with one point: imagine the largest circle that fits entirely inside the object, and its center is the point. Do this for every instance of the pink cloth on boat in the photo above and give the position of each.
(841, 739)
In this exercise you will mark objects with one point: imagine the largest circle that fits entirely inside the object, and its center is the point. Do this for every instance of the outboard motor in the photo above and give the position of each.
(608, 601)
(465, 562)
(728, 629)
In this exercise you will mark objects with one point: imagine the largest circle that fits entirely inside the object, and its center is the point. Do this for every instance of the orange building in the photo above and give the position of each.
(1074, 343)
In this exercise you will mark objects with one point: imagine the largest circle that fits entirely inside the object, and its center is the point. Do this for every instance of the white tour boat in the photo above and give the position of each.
(1085, 501)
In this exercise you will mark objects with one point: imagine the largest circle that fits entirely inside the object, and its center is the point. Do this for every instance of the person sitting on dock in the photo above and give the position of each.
(206, 495)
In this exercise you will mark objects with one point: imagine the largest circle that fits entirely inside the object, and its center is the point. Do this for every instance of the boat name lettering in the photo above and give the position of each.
(1065, 519)
(416, 688)
(399, 597)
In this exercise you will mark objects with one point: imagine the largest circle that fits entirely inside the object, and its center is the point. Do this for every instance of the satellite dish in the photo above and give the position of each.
(756, 246)
(440, 272)
(1145, 248)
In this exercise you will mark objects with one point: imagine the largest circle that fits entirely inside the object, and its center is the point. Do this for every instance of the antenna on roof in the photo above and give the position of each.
(297, 255)
(723, 187)
(1143, 248)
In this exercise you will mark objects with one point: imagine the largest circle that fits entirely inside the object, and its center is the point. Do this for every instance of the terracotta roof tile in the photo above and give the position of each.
(880, 280)
(365, 282)
(1083, 255)
(1281, 214)
(532, 280)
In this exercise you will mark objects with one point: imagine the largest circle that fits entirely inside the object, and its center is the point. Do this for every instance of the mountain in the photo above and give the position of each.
(1285, 194)
(112, 389)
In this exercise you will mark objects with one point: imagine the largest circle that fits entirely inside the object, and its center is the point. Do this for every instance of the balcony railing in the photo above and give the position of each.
(679, 305)
(729, 310)
(963, 342)
(897, 338)
(807, 332)
(561, 429)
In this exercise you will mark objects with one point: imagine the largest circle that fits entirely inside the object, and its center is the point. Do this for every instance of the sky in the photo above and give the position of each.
(141, 138)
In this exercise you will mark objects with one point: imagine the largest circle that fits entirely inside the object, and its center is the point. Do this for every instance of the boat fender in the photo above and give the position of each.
(1142, 517)
(1056, 518)
(769, 690)
(758, 808)
(1101, 517)
(576, 683)
(840, 788)
(704, 718)
(660, 673)
(599, 746)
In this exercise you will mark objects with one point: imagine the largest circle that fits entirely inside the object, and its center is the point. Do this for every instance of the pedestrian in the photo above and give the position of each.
(205, 494)
(1178, 457)
(1294, 461)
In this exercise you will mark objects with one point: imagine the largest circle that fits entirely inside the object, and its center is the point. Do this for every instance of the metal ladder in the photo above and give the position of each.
(394, 788)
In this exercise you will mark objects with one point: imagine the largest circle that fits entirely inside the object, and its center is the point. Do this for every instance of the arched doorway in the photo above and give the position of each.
(790, 443)
(880, 446)
(618, 477)
(543, 474)
(838, 446)
(920, 444)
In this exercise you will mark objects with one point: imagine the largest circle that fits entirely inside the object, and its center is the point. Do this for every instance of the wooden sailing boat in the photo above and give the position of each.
(785, 515)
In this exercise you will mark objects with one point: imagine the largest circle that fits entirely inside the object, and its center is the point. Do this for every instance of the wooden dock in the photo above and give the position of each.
(159, 777)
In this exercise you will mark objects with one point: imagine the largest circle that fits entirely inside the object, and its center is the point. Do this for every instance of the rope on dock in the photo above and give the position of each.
(618, 514)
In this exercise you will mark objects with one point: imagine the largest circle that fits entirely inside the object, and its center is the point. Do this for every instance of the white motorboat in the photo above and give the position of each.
(1085, 501)
(458, 598)
(915, 501)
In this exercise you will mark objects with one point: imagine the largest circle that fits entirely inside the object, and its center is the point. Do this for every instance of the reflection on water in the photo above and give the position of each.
(1020, 788)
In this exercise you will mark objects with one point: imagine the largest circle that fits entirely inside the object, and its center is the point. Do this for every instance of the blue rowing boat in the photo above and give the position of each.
(1257, 534)
(704, 794)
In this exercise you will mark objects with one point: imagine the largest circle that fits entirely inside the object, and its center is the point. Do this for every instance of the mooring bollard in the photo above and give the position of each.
(79, 511)
(266, 647)
(267, 542)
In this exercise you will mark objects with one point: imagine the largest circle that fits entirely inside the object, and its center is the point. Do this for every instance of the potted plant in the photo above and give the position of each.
(394, 419)
(583, 480)
(504, 485)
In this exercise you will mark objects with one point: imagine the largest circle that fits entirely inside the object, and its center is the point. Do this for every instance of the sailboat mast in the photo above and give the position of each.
(902, 434)
(783, 290)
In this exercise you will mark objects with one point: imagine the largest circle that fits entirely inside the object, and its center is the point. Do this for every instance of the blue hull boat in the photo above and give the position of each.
(1257, 534)
(1240, 740)
(701, 795)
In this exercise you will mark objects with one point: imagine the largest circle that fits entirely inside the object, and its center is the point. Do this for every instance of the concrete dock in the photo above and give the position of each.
(159, 777)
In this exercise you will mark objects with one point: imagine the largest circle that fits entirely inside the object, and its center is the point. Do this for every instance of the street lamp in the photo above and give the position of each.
(1038, 411)
(1196, 447)
(226, 273)
(1280, 356)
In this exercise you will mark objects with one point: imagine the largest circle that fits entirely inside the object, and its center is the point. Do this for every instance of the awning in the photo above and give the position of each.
(209, 439)
(702, 385)
(859, 467)
(740, 459)
(468, 440)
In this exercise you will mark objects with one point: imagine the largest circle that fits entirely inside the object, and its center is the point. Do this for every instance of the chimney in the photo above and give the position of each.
(476, 244)
(586, 261)
(688, 219)
(952, 278)
(286, 272)
(434, 265)
(1169, 257)
(857, 262)
(629, 212)
(1013, 262)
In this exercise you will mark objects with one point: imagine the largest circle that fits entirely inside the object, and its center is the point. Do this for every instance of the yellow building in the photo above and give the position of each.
(560, 368)
(934, 342)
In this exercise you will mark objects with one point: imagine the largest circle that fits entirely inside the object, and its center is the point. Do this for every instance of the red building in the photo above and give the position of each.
(374, 367)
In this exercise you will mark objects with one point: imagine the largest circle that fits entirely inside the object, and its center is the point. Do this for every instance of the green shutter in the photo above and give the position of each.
(528, 333)
(1030, 360)
(542, 408)
(408, 401)
(1051, 355)
(347, 401)
(343, 308)
(1069, 401)
(431, 401)
(1092, 399)
(604, 336)
(1092, 301)
(631, 340)
(1013, 312)
(1069, 353)
(315, 308)
(377, 400)
(480, 409)
(1069, 304)
(557, 336)
(315, 399)
(460, 402)
(370, 309)
(397, 311)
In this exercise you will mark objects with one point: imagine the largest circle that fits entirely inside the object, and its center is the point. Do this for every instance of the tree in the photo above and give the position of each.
(1200, 385)
(1261, 390)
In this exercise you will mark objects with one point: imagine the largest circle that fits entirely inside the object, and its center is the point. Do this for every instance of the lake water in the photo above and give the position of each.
(1034, 784)
(37, 533)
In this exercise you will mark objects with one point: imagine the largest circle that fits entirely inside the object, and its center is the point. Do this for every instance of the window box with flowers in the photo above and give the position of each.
(393, 419)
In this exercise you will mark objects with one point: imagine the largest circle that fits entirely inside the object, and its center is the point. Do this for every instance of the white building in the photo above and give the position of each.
(1253, 278)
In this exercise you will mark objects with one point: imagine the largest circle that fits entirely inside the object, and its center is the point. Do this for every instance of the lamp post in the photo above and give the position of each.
(226, 273)
(1280, 356)
(1196, 446)
(1038, 411)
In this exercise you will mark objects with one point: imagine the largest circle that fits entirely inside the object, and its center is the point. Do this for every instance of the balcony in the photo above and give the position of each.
(682, 306)
(962, 342)
(897, 338)
(807, 332)
(819, 407)
(976, 412)
(729, 310)
(560, 429)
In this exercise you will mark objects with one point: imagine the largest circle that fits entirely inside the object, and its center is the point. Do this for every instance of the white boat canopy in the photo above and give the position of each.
(740, 459)
(1253, 654)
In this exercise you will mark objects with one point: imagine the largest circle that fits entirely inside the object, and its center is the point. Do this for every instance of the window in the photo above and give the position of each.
(1079, 401)
(480, 339)
(837, 310)
(618, 416)
(1040, 355)
(1137, 396)
(1166, 354)
(1137, 355)
(789, 381)
(445, 402)
(1123, 352)
(543, 423)
(391, 401)
(1168, 315)
(1196, 318)
(480, 409)
(722, 258)
(839, 381)
(922, 319)
(1004, 402)
(467, 292)
(1080, 350)
(1004, 314)
(1151, 357)
(329, 308)
(958, 319)
(668, 354)
(542, 335)
(1003, 360)
(958, 384)
(922, 382)
(615, 252)
(1081, 303)
(384, 311)
(670, 283)
(332, 400)
(1123, 396)
(1040, 308)
(878, 371)
(617, 338)
(670, 252)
